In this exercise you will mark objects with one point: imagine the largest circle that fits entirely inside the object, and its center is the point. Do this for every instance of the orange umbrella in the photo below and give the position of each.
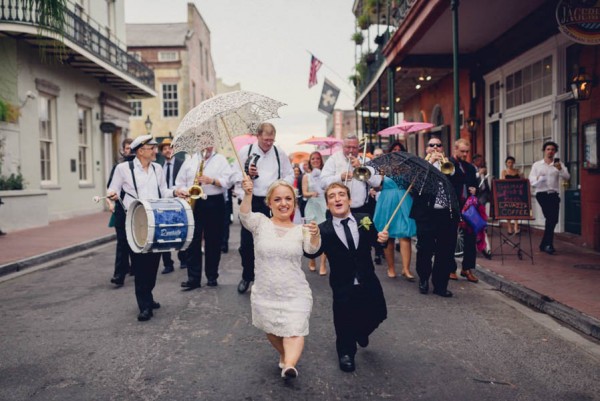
(299, 157)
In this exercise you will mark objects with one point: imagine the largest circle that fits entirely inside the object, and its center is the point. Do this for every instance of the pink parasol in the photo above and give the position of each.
(243, 140)
(405, 127)
(321, 141)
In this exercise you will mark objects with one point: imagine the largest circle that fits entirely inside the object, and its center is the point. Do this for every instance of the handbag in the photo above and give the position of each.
(473, 218)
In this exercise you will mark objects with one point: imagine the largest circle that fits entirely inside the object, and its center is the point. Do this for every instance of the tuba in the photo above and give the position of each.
(446, 166)
(196, 192)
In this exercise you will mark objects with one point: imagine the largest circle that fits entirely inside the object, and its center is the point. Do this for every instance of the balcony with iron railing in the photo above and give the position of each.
(77, 30)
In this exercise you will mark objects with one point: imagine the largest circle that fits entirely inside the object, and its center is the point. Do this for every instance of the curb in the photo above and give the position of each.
(543, 303)
(52, 255)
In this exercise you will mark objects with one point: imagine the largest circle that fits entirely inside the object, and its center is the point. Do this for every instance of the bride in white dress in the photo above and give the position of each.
(281, 298)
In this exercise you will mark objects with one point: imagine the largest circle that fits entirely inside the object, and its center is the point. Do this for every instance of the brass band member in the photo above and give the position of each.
(436, 232)
(140, 178)
(212, 173)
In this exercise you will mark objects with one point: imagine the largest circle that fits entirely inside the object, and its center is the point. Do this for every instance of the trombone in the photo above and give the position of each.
(446, 166)
(362, 173)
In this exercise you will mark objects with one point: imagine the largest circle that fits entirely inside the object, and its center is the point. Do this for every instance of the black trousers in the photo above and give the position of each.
(353, 319)
(145, 267)
(123, 252)
(436, 238)
(227, 221)
(469, 261)
(550, 204)
(247, 242)
(168, 260)
(208, 220)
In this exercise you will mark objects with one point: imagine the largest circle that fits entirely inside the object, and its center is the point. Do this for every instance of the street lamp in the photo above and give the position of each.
(472, 124)
(148, 124)
(581, 85)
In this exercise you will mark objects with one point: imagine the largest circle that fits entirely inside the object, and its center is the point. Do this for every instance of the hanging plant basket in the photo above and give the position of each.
(358, 38)
(363, 21)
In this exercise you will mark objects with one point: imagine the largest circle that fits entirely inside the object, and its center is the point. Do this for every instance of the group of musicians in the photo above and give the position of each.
(139, 177)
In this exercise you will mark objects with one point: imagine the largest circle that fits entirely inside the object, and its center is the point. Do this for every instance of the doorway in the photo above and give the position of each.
(572, 203)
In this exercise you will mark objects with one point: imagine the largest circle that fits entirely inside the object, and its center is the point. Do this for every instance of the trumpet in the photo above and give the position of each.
(446, 166)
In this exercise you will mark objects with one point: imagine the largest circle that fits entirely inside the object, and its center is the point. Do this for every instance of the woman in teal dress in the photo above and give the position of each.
(315, 204)
(402, 226)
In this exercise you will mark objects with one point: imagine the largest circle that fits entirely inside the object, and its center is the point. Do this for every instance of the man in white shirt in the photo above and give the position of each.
(265, 163)
(545, 178)
(140, 178)
(339, 168)
(212, 172)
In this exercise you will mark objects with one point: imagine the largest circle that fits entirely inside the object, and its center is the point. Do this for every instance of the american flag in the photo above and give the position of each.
(315, 64)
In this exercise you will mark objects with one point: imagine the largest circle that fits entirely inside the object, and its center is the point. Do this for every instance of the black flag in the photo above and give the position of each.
(329, 96)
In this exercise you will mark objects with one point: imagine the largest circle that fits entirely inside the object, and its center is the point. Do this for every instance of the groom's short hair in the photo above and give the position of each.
(337, 185)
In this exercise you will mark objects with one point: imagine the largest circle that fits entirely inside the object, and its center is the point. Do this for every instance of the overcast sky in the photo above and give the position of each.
(264, 44)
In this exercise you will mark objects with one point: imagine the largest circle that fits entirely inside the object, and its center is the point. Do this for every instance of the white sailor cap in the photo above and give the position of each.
(141, 141)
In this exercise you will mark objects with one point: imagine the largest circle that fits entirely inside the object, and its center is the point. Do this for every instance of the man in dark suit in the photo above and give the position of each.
(358, 302)
(171, 168)
(436, 232)
(464, 182)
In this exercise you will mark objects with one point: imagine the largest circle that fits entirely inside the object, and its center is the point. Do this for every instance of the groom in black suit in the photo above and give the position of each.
(358, 301)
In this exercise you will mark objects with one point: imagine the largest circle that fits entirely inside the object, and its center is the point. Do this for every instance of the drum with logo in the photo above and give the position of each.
(159, 225)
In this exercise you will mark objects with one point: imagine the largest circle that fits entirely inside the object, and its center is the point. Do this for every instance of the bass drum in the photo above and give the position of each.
(159, 225)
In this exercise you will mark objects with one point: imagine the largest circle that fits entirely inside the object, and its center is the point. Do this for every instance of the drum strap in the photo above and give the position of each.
(276, 155)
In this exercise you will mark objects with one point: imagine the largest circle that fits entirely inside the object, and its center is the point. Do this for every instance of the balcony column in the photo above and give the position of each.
(454, 4)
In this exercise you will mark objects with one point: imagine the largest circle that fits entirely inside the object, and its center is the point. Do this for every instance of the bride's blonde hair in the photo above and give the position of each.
(280, 183)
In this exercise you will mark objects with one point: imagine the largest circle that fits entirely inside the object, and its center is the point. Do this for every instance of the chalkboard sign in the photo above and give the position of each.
(512, 200)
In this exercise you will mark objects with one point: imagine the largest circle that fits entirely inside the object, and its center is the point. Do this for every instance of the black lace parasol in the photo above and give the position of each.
(405, 169)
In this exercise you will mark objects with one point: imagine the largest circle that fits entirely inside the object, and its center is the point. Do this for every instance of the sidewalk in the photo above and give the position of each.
(564, 285)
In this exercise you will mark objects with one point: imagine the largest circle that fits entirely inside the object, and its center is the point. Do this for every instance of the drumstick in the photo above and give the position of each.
(398, 207)
(99, 198)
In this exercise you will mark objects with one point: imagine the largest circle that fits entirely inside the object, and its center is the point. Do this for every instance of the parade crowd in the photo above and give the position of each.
(341, 212)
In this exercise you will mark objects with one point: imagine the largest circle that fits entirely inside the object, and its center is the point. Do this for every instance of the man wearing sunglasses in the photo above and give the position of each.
(436, 233)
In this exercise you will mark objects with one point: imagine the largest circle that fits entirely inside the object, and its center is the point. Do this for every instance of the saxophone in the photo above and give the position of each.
(196, 192)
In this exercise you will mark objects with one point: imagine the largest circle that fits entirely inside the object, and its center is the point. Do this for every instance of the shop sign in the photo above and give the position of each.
(579, 20)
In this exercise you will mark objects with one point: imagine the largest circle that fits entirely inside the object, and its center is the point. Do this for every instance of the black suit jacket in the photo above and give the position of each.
(177, 163)
(346, 265)
(460, 178)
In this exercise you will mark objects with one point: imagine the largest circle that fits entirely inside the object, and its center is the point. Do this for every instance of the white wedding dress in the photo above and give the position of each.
(281, 298)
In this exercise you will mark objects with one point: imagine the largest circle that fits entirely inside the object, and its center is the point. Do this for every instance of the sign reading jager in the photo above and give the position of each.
(512, 200)
(579, 20)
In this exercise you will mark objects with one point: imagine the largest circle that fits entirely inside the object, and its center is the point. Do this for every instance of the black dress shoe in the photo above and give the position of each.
(118, 280)
(347, 363)
(363, 341)
(189, 285)
(155, 305)
(225, 249)
(212, 283)
(243, 286)
(444, 293)
(145, 315)
(377, 260)
(423, 286)
(548, 249)
(167, 270)
(487, 254)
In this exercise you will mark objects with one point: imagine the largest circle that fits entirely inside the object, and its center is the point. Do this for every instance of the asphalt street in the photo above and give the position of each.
(67, 334)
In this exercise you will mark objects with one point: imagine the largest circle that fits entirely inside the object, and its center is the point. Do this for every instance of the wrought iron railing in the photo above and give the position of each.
(81, 33)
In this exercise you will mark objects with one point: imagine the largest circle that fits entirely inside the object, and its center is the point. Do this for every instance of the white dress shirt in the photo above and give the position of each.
(544, 177)
(332, 172)
(216, 166)
(339, 229)
(148, 182)
(267, 167)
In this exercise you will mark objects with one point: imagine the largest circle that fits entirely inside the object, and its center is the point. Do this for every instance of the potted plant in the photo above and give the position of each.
(358, 38)
(363, 21)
